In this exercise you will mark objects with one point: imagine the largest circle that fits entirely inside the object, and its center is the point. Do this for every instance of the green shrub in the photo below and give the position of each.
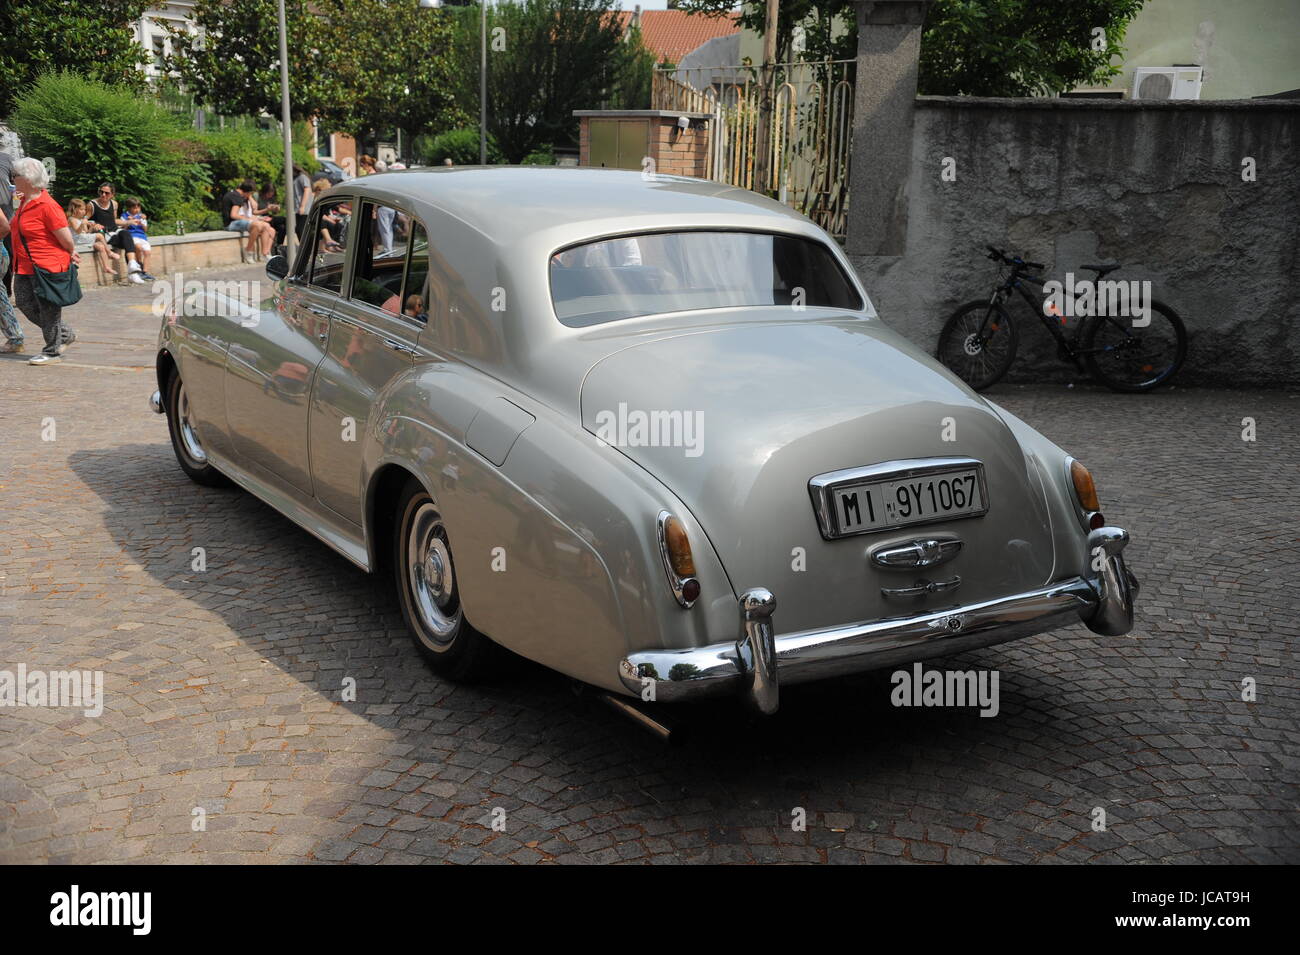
(458, 145)
(540, 157)
(233, 155)
(195, 213)
(96, 132)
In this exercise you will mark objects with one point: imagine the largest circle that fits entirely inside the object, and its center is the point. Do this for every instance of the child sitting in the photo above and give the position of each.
(138, 226)
(86, 239)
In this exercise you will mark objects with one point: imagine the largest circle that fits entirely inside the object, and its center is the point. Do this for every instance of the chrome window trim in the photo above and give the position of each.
(822, 486)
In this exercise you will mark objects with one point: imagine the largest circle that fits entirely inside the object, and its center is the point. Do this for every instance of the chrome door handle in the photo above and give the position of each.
(323, 337)
(920, 590)
(398, 346)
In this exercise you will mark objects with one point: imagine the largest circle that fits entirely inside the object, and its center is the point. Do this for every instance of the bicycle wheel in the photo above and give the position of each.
(978, 343)
(1130, 359)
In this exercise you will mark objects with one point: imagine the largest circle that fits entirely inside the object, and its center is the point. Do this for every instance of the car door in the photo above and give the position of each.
(269, 369)
(372, 340)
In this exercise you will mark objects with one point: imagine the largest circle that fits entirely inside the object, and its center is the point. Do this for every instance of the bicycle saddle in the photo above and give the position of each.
(1102, 268)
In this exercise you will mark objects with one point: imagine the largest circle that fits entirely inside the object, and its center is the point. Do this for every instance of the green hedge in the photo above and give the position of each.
(232, 155)
(98, 133)
(95, 132)
(540, 157)
(458, 145)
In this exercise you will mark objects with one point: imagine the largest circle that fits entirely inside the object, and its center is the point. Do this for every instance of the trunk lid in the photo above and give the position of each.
(766, 406)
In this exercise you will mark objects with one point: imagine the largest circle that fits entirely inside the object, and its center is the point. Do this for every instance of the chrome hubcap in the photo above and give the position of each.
(432, 577)
(189, 437)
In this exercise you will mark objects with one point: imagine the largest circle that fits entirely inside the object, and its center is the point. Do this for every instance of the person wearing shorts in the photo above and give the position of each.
(237, 217)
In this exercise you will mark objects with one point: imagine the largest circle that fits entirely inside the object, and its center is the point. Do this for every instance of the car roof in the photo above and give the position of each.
(503, 202)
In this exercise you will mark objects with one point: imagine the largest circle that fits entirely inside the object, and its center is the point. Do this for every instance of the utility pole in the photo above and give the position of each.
(290, 213)
(763, 139)
(482, 88)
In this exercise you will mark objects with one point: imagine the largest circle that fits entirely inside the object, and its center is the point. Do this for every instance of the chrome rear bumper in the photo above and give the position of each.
(755, 664)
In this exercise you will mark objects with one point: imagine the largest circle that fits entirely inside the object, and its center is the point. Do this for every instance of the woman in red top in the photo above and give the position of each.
(40, 236)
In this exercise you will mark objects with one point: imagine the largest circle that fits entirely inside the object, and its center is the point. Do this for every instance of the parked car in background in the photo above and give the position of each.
(648, 432)
(330, 171)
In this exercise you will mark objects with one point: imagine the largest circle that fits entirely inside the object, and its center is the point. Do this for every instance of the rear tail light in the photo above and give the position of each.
(1085, 492)
(679, 564)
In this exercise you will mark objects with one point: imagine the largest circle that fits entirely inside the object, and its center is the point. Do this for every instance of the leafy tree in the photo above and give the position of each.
(355, 65)
(633, 72)
(970, 47)
(95, 132)
(233, 63)
(753, 16)
(1020, 47)
(384, 64)
(549, 58)
(95, 40)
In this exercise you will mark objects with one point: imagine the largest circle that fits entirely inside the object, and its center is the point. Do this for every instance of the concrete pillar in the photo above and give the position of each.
(889, 46)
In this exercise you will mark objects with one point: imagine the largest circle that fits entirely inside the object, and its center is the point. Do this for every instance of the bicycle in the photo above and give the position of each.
(979, 340)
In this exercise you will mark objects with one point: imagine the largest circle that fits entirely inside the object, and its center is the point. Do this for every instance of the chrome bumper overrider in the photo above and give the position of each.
(155, 402)
(755, 664)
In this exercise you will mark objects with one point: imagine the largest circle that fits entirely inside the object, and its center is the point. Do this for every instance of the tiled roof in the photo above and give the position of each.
(671, 34)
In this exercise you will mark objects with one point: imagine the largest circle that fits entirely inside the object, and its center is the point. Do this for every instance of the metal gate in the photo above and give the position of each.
(811, 126)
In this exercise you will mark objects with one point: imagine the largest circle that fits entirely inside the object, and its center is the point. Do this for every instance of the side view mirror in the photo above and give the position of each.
(277, 267)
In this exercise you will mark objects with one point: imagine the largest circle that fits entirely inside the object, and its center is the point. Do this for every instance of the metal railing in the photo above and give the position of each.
(810, 132)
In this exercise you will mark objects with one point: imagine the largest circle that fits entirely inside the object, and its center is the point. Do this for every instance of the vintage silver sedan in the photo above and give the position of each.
(648, 432)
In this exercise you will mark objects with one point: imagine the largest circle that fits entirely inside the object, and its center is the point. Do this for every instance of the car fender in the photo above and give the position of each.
(556, 556)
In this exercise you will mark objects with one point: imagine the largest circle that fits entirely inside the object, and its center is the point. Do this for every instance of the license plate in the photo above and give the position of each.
(876, 501)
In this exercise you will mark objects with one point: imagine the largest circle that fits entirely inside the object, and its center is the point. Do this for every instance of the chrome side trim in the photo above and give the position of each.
(306, 514)
(821, 488)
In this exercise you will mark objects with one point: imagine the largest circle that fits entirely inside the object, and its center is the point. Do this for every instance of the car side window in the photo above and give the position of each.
(383, 235)
(306, 249)
(415, 291)
(330, 240)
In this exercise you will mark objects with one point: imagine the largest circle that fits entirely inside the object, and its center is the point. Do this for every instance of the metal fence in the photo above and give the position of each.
(810, 124)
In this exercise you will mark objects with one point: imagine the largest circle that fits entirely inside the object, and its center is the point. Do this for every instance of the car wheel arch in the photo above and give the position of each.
(383, 490)
(164, 367)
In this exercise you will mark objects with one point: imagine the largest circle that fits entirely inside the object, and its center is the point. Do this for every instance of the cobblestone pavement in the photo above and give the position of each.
(222, 687)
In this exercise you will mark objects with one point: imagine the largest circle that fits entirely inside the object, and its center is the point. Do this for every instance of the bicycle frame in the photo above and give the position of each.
(1069, 347)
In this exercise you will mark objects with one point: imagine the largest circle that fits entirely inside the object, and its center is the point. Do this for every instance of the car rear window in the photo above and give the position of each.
(652, 273)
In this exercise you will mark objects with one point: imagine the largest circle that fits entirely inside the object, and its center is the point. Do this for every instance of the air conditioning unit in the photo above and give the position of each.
(1166, 82)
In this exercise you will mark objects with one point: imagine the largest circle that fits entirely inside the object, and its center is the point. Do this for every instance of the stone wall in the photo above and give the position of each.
(174, 253)
(1157, 186)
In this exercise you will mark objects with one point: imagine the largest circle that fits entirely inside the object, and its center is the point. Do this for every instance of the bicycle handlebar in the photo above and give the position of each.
(997, 255)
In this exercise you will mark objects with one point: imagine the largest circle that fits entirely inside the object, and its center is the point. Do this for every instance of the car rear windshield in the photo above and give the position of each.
(650, 274)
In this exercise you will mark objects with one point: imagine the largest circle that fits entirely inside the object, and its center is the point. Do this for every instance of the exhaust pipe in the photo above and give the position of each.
(662, 730)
